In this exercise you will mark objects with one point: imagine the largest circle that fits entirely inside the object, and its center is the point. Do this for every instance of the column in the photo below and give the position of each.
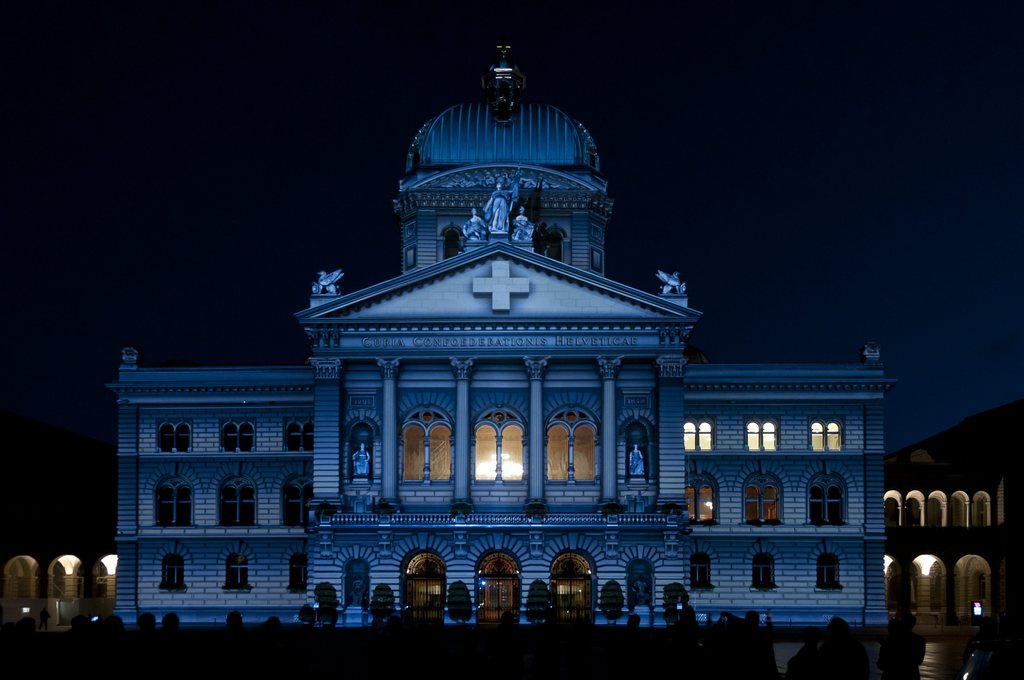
(327, 449)
(462, 369)
(389, 431)
(535, 372)
(609, 368)
(670, 467)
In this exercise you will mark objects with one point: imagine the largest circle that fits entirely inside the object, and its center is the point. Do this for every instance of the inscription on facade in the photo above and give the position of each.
(432, 342)
(360, 401)
(636, 401)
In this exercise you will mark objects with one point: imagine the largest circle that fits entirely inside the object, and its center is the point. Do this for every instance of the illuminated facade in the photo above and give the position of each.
(502, 414)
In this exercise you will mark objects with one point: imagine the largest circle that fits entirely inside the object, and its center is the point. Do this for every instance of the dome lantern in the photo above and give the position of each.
(503, 85)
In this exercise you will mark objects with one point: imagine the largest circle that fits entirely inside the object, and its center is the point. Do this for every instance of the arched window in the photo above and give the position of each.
(412, 453)
(174, 504)
(238, 436)
(698, 435)
(762, 571)
(761, 436)
(299, 436)
(700, 570)
(452, 243)
(297, 495)
(826, 436)
(570, 447)
(425, 588)
(700, 501)
(826, 503)
(298, 570)
(236, 576)
(172, 572)
(238, 503)
(175, 437)
(499, 447)
(828, 572)
(761, 501)
(440, 441)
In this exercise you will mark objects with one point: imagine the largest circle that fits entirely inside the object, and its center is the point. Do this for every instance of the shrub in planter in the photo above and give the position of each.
(611, 600)
(674, 595)
(382, 602)
(307, 615)
(460, 606)
(327, 600)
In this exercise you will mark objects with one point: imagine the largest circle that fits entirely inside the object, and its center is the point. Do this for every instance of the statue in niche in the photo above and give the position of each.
(326, 282)
(474, 229)
(636, 462)
(641, 591)
(357, 591)
(499, 205)
(361, 462)
(522, 227)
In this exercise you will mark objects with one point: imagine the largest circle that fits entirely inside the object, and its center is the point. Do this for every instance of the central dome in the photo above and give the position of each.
(535, 134)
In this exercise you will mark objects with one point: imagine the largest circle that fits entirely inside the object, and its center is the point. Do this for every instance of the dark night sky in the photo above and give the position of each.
(822, 174)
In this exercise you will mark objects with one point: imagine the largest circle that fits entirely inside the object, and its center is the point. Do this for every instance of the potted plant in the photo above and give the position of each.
(611, 600)
(382, 602)
(461, 508)
(460, 606)
(612, 508)
(327, 603)
(538, 599)
(535, 509)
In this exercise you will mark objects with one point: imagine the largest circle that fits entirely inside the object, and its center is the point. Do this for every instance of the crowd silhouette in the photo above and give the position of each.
(731, 646)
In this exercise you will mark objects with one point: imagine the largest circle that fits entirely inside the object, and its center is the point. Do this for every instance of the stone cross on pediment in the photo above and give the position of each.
(500, 285)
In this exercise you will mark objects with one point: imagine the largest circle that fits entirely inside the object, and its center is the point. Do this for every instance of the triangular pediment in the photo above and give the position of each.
(496, 283)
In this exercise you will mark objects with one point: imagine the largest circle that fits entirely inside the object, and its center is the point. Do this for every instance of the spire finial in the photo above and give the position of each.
(503, 84)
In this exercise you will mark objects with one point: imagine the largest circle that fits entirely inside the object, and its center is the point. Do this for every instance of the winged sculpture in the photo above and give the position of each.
(326, 282)
(671, 283)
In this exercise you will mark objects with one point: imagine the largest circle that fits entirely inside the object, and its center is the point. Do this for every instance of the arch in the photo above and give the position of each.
(762, 434)
(104, 577)
(826, 435)
(21, 577)
(175, 437)
(701, 497)
(64, 574)
(893, 585)
(972, 581)
(639, 583)
(913, 513)
(935, 510)
(571, 584)
(174, 502)
(928, 589)
(296, 496)
(298, 435)
(959, 509)
(498, 586)
(498, 446)
(762, 499)
(238, 436)
(893, 504)
(826, 501)
(571, 445)
(425, 588)
(357, 583)
(451, 242)
(981, 510)
(237, 502)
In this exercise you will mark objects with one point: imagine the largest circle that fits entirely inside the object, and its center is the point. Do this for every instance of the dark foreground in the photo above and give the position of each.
(521, 652)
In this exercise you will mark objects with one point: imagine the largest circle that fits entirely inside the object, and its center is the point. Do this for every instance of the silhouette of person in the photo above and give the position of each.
(805, 664)
(44, 619)
(757, 648)
(902, 651)
(843, 657)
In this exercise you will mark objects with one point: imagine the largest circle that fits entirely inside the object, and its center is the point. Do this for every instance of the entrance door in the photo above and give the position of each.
(570, 589)
(497, 588)
(425, 589)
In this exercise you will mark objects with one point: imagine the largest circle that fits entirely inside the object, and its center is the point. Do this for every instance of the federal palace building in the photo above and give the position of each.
(501, 414)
